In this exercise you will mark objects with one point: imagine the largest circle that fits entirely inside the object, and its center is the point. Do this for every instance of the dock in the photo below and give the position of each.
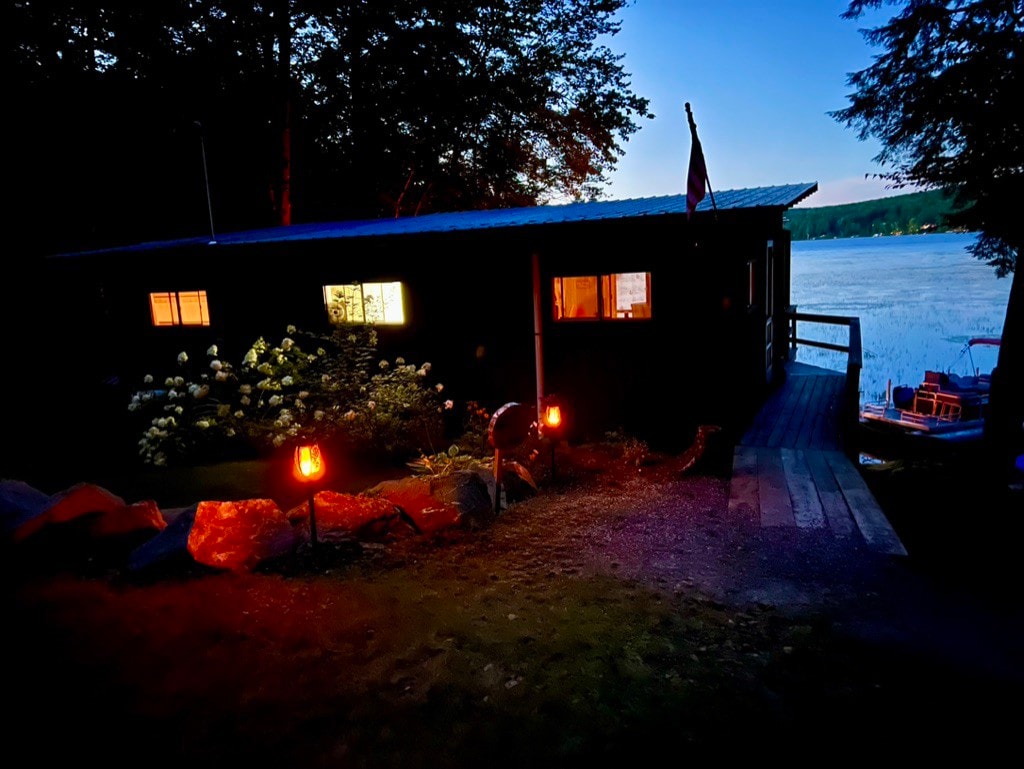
(791, 468)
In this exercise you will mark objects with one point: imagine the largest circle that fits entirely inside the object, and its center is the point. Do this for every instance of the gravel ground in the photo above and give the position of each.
(621, 614)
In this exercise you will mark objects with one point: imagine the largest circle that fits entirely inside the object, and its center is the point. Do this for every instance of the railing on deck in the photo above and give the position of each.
(854, 358)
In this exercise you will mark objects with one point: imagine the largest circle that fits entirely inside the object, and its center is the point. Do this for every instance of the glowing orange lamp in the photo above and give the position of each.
(308, 468)
(552, 420)
(552, 417)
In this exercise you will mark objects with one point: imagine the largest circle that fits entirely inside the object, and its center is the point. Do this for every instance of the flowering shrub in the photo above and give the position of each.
(308, 386)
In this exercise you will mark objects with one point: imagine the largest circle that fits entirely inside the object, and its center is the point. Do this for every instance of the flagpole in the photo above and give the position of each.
(693, 137)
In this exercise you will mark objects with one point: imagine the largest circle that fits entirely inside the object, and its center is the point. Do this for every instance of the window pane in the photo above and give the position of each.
(193, 308)
(344, 303)
(630, 295)
(391, 298)
(377, 303)
(164, 309)
(578, 297)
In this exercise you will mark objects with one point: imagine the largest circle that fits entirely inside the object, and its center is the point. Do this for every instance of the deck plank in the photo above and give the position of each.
(878, 533)
(807, 509)
(743, 485)
(772, 490)
(833, 503)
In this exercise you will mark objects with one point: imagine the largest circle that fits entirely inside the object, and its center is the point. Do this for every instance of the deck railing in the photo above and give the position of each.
(854, 357)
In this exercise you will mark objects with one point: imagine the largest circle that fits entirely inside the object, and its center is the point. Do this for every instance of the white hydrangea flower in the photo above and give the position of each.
(287, 344)
(245, 389)
(399, 361)
(299, 404)
(439, 387)
(202, 424)
(290, 329)
(148, 379)
(221, 376)
(318, 415)
(230, 432)
(134, 405)
(245, 400)
(179, 381)
(383, 364)
(371, 405)
(178, 410)
(426, 366)
(239, 414)
(212, 350)
(216, 365)
(182, 358)
(303, 394)
(287, 381)
(278, 440)
(274, 400)
(169, 382)
(325, 378)
(281, 360)
(250, 358)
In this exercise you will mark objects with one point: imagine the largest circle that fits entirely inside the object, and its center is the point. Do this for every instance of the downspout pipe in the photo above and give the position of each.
(538, 347)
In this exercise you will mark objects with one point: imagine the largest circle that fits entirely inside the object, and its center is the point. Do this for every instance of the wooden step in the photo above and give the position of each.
(809, 489)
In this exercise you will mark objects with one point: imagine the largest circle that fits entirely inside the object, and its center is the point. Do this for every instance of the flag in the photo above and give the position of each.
(697, 176)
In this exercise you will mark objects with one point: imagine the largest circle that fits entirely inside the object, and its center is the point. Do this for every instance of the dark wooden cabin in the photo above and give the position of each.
(642, 320)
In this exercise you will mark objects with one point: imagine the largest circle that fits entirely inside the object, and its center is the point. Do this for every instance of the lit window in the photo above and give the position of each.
(369, 303)
(619, 296)
(179, 308)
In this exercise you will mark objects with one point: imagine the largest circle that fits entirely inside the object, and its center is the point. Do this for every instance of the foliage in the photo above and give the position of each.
(943, 97)
(351, 109)
(473, 451)
(328, 387)
(909, 214)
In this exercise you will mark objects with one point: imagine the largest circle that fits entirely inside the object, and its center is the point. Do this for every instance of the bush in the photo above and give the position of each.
(327, 387)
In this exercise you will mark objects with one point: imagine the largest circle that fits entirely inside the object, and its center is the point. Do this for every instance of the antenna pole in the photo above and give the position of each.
(206, 179)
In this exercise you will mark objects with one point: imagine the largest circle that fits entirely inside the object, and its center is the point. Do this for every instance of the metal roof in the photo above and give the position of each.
(780, 196)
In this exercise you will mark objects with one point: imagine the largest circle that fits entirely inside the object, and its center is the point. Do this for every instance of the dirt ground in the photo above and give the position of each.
(623, 614)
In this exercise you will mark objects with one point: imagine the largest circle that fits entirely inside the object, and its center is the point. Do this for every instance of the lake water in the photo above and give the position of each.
(919, 299)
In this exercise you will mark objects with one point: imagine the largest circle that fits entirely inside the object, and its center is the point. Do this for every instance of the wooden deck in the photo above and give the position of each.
(790, 467)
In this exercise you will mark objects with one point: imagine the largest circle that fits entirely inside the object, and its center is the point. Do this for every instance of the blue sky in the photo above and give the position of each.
(761, 77)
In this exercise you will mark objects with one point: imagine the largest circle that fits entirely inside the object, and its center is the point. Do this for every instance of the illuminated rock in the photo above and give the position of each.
(343, 517)
(239, 535)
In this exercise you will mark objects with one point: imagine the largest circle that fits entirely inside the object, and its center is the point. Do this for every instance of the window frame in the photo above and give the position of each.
(178, 318)
(354, 286)
(606, 309)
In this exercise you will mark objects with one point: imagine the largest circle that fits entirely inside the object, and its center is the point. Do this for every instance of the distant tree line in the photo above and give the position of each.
(908, 214)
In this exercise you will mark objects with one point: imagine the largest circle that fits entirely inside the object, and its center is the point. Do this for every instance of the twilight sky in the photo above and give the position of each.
(761, 78)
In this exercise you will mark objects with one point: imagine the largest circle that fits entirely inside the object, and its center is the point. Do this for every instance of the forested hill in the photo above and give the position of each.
(897, 215)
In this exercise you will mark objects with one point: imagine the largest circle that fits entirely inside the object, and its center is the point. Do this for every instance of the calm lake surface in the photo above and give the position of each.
(919, 299)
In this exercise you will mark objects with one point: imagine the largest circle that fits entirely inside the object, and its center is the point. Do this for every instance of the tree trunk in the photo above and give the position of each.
(1004, 426)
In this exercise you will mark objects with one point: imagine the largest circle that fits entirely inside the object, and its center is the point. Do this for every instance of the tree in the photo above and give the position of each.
(943, 97)
(332, 110)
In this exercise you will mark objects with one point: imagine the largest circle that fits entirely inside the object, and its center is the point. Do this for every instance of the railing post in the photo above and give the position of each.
(791, 314)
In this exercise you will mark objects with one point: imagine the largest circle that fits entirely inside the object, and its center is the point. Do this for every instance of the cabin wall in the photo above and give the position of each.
(469, 303)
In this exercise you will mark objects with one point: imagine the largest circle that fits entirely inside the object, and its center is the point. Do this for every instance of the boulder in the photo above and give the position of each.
(19, 503)
(109, 514)
(439, 502)
(239, 535)
(169, 547)
(344, 517)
